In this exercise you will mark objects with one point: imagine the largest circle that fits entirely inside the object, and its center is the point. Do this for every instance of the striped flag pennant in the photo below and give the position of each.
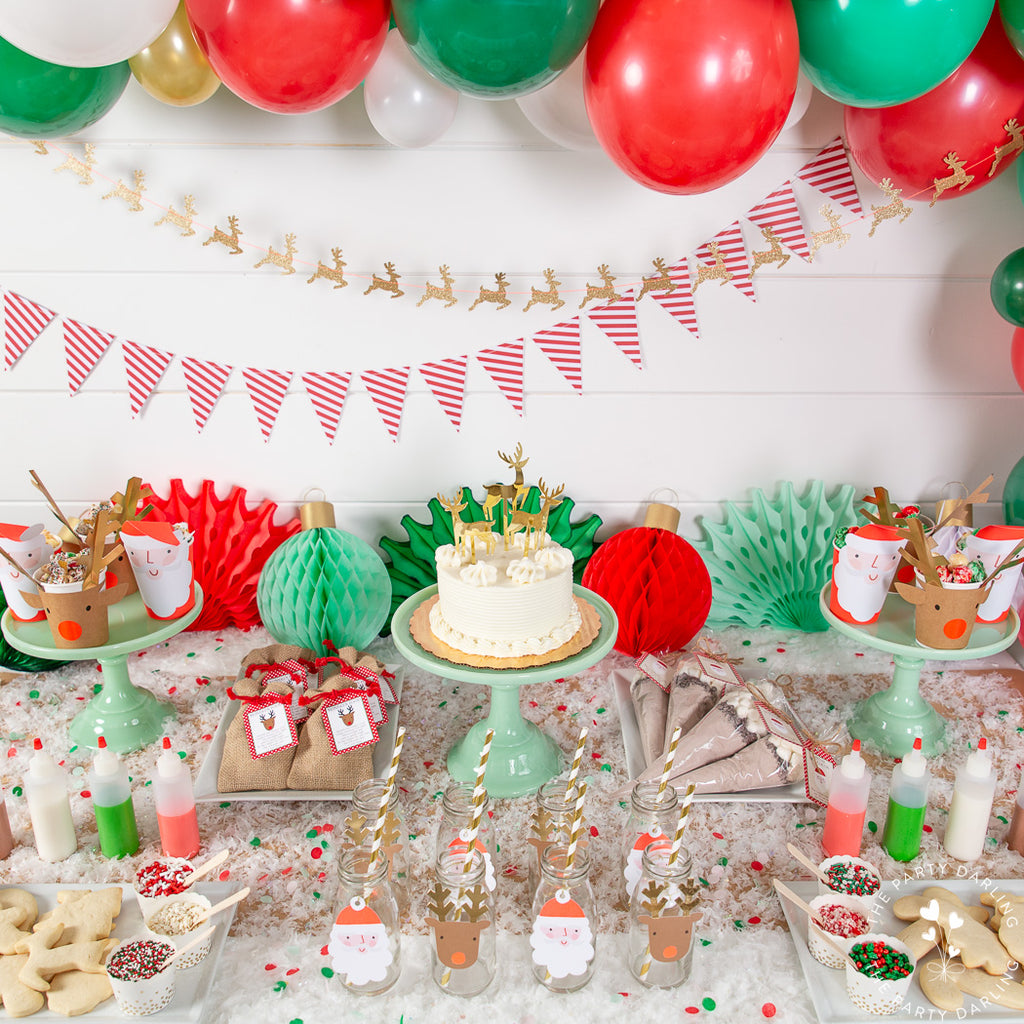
(83, 348)
(387, 389)
(204, 382)
(504, 364)
(24, 321)
(679, 301)
(561, 344)
(267, 389)
(327, 393)
(779, 212)
(618, 321)
(144, 367)
(830, 172)
(447, 379)
(729, 263)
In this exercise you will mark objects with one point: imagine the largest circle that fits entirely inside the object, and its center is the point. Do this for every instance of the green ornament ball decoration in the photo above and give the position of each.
(13, 659)
(768, 565)
(324, 587)
(412, 565)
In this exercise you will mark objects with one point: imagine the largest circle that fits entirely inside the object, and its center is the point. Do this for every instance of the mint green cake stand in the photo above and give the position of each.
(522, 757)
(128, 717)
(892, 719)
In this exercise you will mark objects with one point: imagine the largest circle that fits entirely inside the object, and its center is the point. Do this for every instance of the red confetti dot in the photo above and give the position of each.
(270, 967)
(263, 877)
(86, 794)
(286, 871)
(927, 828)
(625, 995)
(768, 1009)
(593, 831)
(12, 752)
(693, 1009)
(323, 951)
(316, 853)
(224, 875)
(534, 704)
(561, 707)
(428, 764)
(321, 876)
(780, 650)
(327, 828)
(172, 689)
(291, 971)
(757, 865)
(718, 835)
(316, 830)
(753, 920)
(207, 737)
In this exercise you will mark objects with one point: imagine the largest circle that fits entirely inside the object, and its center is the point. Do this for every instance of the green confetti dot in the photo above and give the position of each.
(295, 1020)
(723, 861)
(327, 972)
(872, 826)
(704, 881)
(97, 687)
(35, 693)
(255, 841)
(324, 844)
(707, 942)
(623, 804)
(799, 824)
(412, 836)
(312, 833)
(226, 803)
(478, 707)
(442, 704)
(191, 654)
(316, 895)
(280, 986)
(71, 751)
(708, 1003)
(601, 711)
(762, 659)
(182, 754)
(831, 707)
(211, 699)
(1005, 821)
(998, 712)
(738, 925)
(17, 791)
(606, 767)
(148, 782)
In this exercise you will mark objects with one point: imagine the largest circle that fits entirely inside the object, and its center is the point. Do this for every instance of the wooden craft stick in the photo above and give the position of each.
(228, 901)
(204, 869)
(54, 507)
(191, 944)
(807, 863)
(788, 893)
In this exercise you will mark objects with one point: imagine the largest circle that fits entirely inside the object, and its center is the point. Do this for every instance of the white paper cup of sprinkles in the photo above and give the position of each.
(874, 982)
(141, 984)
(175, 922)
(159, 880)
(846, 919)
(851, 876)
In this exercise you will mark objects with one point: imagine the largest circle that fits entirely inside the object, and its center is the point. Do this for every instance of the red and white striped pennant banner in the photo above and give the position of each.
(327, 393)
(504, 364)
(447, 380)
(387, 389)
(830, 172)
(780, 212)
(561, 344)
(733, 252)
(679, 301)
(204, 382)
(144, 367)
(84, 347)
(618, 321)
(267, 389)
(24, 321)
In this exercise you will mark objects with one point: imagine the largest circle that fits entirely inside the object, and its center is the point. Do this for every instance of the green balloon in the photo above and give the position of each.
(495, 49)
(877, 53)
(40, 100)
(1012, 13)
(1007, 288)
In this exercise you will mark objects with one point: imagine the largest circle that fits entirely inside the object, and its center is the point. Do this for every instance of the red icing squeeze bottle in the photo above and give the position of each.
(175, 805)
(847, 805)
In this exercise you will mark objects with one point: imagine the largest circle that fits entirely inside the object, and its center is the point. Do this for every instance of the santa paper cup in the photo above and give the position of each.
(864, 563)
(161, 559)
(993, 545)
(27, 546)
(141, 984)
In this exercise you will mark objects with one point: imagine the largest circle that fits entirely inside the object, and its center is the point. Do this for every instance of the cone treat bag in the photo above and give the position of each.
(161, 560)
(28, 546)
(765, 763)
(692, 694)
(650, 705)
(864, 562)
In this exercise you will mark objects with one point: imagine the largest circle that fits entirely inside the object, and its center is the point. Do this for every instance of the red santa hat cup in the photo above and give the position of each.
(993, 545)
(161, 559)
(864, 563)
(27, 546)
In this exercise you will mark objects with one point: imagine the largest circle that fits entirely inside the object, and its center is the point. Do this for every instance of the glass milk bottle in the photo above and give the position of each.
(365, 943)
(648, 820)
(549, 823)
(563, 936)
(461, 920)
(662, 918)
(453, 831)
(361, 822)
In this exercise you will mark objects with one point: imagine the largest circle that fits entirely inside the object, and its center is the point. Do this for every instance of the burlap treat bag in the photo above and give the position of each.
(335, 749)
(262, 739)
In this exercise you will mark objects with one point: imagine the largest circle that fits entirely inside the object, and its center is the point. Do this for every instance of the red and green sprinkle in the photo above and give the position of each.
(842, 921)
(852, 879)
(162, 879)
(877, 959)
(137, 961)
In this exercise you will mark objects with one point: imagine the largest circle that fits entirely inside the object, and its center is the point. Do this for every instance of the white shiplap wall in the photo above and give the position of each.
(882, 362)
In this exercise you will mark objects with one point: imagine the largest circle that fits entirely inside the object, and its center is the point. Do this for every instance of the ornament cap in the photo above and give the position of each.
(317, 514)
(662, 517)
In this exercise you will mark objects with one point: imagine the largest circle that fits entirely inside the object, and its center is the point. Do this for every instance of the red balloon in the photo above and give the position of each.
(1017, 356)
(684, 97)
(290, 56)
(962, 119)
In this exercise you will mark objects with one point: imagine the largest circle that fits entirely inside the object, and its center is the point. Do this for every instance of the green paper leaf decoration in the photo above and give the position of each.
(411, 562)
(768, 565)
(13, 659)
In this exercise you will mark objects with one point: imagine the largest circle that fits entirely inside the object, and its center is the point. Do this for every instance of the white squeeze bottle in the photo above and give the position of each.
(847, 805)
(973, 793)
(46, 792)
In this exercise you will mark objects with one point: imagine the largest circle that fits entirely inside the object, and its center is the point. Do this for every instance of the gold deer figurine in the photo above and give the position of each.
(507, 494)
(280, 259)
(181, 220)
(767, 257)
(958, 177)
(335, 273)
(834, 234)
(717, 271)
(132, 196)
(390, 285)
(546, 296)
(605, 291)
(659, 282)
(436, 291)
(894, 208)
(227, 238)
(468, 532)
(1008, 149)
(495, 295)
(534, 524)
(80, 167)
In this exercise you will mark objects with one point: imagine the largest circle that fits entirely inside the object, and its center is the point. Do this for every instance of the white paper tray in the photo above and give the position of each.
(828, 986)
(206, 781)
(635, 763)
(191, 987)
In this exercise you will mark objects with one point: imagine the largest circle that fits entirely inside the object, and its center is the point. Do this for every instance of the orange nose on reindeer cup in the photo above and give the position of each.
(161, 559)
(993, 545)
(864, 562)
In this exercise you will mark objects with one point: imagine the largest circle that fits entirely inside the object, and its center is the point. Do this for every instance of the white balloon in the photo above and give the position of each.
(801, 101)
(84, 33)
(405, 103)
(558, 110)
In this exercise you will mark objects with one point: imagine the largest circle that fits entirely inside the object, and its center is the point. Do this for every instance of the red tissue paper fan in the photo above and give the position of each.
(231, 544)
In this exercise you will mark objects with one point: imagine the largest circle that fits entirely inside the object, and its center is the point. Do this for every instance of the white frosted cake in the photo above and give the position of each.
(505, 604)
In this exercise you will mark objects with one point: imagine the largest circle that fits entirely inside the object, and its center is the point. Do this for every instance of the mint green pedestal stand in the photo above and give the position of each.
(893, 719)
(522, 758)
(128, 717)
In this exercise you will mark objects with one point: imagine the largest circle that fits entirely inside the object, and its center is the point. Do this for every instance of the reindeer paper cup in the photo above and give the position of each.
(845, 919)
(879, 969)
(175, 922)
(864, 562)
(945, 613)
(141, 983)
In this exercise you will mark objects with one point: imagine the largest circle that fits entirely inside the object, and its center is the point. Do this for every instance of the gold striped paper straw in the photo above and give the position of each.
(385, 799)
(576, 828)
(575, 769)
(670, 757)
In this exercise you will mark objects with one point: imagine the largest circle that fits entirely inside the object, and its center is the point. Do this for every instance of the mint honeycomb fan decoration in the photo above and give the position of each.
(769, 564)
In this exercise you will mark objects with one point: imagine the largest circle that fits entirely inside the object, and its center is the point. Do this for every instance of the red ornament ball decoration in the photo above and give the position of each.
(657, 584)
(1017, 356)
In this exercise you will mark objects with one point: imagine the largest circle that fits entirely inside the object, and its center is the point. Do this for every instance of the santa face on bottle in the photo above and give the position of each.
(359, 946)
(562, 941)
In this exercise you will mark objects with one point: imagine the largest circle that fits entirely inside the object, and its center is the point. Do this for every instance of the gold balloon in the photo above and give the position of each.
(172, 68)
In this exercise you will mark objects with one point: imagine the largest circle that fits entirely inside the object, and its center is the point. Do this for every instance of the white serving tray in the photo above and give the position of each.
(191, 987)
(635, 763)
(206, 781)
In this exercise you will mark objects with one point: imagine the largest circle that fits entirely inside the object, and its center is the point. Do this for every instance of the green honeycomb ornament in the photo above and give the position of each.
(324, 587)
